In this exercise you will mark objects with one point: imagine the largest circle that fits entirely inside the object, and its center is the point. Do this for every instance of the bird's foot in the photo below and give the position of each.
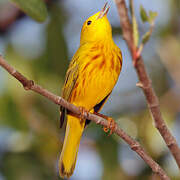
(111, 123)
(83, 114)
(111, 126)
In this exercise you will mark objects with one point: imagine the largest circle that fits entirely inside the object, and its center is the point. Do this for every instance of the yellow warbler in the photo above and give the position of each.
(90, 78)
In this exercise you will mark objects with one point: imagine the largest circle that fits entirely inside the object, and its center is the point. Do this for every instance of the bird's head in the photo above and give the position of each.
(96, 27)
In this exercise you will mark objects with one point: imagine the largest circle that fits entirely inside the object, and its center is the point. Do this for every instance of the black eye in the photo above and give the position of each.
(89, 22)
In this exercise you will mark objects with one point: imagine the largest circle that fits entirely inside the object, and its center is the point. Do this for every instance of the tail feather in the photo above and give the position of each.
(67, 161)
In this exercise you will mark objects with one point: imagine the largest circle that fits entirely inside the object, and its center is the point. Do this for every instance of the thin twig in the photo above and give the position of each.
(145, 83)
(141, 46)
(135, 146)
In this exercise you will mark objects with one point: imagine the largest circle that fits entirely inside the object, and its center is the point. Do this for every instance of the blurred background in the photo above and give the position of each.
(30, 137)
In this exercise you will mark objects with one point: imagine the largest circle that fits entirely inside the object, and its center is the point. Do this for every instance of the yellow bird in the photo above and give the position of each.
(90, 78)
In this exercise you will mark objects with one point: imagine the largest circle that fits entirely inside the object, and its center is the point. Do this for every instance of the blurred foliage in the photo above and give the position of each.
(34, 8)
(30, 138)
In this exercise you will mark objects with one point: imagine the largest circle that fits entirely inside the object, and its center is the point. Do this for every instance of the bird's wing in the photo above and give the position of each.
(70, 80)
(99, 106)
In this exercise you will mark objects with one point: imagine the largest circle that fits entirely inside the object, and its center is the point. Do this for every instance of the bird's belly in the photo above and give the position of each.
(93, 88)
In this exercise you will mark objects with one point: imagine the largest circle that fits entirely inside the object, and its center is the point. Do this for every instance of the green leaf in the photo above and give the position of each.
(36, 9)
(146, 37)
(152, 16)
(134, 24)
(144, 16)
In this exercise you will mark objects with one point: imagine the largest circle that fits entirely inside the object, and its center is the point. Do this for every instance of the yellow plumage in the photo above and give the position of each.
(91, 76)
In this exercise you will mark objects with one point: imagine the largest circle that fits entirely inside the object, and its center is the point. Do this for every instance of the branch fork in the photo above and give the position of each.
(151, 97)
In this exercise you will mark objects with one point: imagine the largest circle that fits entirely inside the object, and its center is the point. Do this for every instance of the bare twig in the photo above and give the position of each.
(145, 83)
(135, 146)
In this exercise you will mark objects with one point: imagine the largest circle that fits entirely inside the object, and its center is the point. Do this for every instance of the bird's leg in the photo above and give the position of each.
(83, 113)
(111, 123)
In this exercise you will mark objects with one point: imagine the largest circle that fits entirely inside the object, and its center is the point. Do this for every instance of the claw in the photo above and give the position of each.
(111, 123)
(111, 126)
(83, 113)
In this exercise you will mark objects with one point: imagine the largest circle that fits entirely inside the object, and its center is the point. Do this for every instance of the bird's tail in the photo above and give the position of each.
(67, 161)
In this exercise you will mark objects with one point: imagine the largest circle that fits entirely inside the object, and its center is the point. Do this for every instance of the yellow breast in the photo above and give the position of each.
(98, 73)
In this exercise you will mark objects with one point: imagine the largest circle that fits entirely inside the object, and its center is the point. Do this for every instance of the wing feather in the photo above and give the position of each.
(70, 81)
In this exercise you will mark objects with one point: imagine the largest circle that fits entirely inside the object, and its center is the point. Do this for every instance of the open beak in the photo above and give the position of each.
(103, 11)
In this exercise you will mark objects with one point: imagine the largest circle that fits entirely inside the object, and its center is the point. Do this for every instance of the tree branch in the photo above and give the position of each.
(145, 83)
(135, 146)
